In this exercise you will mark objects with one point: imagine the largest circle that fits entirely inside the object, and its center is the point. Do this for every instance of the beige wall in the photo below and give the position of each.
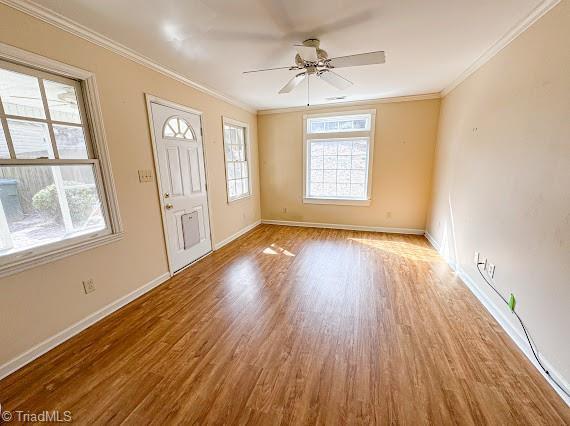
(40, 302)
(405, 137)
(502, 180)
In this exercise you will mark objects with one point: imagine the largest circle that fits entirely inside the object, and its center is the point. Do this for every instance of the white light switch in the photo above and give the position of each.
(145, 175)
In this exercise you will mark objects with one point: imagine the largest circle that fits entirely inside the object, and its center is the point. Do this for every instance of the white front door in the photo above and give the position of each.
(184, 200)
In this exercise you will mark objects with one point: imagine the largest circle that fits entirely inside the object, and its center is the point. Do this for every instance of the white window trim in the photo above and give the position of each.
(369, 134)
(231, 121)
(58, 250)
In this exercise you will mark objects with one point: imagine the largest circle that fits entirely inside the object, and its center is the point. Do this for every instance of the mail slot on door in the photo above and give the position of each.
(190, 229)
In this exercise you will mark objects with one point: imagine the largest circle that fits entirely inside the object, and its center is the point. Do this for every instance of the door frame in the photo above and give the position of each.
(154, 99)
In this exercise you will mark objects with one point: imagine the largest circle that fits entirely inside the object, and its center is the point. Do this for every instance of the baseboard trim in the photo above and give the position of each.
(437, 247)
(56, 340)
(238, 234)
(347, 227)
(500, 316)
(433, 242)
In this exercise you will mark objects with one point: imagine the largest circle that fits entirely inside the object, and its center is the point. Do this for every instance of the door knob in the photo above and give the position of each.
(168, 206)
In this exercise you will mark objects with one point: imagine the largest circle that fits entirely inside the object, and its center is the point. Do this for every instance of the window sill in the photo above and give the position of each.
(235, 200)
(38, 259)
(336, 201)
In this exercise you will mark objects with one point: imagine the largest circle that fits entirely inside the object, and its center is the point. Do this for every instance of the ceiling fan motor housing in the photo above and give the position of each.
(321, 54)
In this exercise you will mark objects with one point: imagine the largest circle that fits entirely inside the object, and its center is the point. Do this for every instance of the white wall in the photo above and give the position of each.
(502, 179)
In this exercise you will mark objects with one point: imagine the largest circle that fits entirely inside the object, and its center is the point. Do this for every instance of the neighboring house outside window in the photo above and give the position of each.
(338, 150)
(53, 198)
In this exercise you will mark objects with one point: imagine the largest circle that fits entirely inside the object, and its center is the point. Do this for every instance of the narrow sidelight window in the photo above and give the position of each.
(236, 152)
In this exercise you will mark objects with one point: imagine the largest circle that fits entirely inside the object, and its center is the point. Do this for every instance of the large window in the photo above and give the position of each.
(236, 151)
(52, 192)
(338, 157)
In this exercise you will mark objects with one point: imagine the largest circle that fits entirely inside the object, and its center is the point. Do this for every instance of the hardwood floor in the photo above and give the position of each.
(296, 326)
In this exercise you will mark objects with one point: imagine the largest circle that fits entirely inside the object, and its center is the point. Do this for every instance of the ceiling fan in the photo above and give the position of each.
(313, 60)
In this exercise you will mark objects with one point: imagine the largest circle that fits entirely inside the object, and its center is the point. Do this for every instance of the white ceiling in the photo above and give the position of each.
(428, 44)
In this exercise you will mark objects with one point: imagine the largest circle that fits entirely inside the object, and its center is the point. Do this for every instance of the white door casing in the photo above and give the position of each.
(179, 151)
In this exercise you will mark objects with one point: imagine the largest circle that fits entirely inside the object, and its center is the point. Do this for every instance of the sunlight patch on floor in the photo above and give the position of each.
(402, 248)
(275, 249)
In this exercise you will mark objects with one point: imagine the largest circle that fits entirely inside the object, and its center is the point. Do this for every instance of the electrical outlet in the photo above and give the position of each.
(89, 286)
(491, 270)
(476, 258)
(284, 210)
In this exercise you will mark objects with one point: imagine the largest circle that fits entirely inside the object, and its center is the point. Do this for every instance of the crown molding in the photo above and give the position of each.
(335, 105)
(538, 12)
(46, 15)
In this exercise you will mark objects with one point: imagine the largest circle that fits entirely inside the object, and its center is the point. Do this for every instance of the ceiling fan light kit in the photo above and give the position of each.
(312, 60)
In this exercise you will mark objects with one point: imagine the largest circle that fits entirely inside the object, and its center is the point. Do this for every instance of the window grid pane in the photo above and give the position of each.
(237, 167)
(70, 141)
(338, 168)
(20, 94)
(62, 102)
(346, 123)
(31, 139)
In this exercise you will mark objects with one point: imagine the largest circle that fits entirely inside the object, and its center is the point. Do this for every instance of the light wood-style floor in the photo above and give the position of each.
(296, 326)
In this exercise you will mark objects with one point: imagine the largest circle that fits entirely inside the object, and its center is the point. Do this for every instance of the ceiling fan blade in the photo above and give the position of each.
(307, 53)
(335, 80)
(357, 60)
(250, 36)
(294, 82)
(271, 69)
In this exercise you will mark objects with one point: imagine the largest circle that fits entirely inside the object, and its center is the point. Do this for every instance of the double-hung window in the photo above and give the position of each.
(236, 151)
(338, 151)
(53, 200)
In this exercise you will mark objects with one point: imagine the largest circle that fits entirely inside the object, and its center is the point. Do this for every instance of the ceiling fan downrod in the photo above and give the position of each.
(308, 89)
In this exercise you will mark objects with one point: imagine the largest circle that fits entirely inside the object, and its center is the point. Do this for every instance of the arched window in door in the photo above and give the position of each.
(178, 128)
